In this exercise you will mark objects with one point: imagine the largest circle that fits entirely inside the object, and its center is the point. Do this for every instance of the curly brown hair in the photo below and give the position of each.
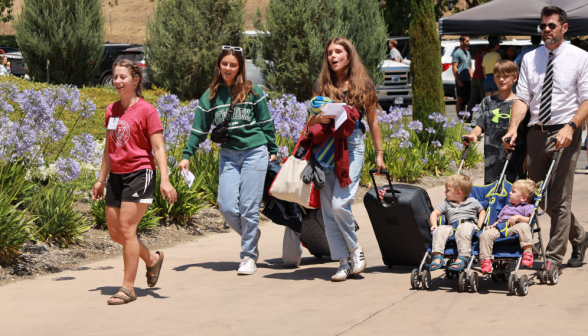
(135, 71)
(361, 93)
(242, 86)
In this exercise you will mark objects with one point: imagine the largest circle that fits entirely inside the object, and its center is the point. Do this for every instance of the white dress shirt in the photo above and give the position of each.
(570, 82)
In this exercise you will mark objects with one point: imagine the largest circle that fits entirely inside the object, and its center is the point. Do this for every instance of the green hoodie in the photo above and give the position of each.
(251, 126)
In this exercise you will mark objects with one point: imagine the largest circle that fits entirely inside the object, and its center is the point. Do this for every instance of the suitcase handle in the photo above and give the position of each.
(385, 172)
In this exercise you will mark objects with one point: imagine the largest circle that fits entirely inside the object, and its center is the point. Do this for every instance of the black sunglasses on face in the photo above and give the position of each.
(551, 26)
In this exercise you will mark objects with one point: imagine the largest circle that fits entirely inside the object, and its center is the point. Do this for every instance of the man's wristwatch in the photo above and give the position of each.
(572, 124)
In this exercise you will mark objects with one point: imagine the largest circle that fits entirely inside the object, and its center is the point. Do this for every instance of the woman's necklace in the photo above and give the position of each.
(131, 104)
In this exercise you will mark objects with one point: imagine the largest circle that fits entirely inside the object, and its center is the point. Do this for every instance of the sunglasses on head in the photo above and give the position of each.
(551, 26)
(236, 49)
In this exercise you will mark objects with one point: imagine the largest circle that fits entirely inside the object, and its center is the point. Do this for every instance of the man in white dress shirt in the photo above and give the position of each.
(554, 85)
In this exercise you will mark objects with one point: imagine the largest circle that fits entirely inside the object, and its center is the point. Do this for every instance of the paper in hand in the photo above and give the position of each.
(188, 177)
(337, 110)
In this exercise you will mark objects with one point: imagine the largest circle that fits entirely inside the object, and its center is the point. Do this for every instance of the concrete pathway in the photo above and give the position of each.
(200, 294)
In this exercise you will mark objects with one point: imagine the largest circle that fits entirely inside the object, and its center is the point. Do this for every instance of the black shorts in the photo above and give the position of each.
(136, 187)
(463, 91)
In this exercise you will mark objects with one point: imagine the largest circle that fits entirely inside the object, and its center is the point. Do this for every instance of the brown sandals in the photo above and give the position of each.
(128, 297)
(155, 269)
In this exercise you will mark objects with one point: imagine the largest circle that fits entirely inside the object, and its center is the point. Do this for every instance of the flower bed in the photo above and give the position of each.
(52, 142)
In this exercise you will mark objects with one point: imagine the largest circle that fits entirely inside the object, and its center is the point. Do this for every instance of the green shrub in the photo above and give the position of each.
(14, 228)
(189, 201)
(67, 34)
(13, 182)
(425, 50)
(291, 62)
(57, 221)
(208, 164)
(98, 212)
(184, 40)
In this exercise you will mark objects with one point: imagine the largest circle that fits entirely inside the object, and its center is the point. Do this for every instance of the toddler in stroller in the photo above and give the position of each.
(513, 219)
(457, 207)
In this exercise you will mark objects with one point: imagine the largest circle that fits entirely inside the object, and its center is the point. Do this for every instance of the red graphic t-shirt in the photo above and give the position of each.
(129, 146)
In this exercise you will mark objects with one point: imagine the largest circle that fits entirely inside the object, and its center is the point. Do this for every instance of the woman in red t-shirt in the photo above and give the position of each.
(134, 133)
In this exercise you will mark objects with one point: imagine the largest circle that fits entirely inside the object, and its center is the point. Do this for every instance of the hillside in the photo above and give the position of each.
(126, 22)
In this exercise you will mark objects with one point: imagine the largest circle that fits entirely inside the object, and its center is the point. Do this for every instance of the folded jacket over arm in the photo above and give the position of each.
(320, 132)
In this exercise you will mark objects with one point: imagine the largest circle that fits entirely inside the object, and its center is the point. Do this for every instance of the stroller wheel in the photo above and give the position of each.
(494, 268)
(542, 275)
(523, 285)
(462, 284)
(553, 275)
(474, 282)
(415, 281)
(512, 285)
(426, 279)
(448, 272)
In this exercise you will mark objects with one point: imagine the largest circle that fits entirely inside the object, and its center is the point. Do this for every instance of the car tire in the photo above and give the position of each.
(107, 80)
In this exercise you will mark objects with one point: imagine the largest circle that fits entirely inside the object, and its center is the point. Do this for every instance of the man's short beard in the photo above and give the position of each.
(553, 41)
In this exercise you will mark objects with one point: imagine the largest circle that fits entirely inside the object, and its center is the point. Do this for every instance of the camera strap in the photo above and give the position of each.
(228, 117)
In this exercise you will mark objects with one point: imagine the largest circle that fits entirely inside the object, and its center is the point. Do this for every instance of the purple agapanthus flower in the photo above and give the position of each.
(83, 150)
(67, 169)
(415, 126)
(205, 146)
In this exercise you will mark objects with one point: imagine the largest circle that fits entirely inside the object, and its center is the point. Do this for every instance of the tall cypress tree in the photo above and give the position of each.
(67, 34)
(425, 50)
(290, 53)
(184, 41)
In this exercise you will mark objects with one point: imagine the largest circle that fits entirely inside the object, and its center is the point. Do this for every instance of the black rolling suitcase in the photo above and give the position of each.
(400, 221)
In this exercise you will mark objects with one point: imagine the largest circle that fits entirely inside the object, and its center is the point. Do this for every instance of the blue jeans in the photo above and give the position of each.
(240, 189)
(336, 202)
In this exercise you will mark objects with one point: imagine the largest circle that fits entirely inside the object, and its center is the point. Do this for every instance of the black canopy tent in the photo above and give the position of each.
(513, 17)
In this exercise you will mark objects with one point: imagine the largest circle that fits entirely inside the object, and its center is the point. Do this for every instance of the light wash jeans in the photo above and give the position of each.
(336, 202)
(240, 189)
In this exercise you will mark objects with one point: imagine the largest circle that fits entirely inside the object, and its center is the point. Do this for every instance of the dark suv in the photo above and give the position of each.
(114, 52)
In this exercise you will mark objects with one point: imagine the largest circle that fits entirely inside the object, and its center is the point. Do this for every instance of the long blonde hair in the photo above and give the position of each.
(242, 86)
(361, 93)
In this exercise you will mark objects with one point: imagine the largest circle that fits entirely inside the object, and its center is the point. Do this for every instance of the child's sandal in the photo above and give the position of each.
(486, 266)
(527, 259)
(441, 263)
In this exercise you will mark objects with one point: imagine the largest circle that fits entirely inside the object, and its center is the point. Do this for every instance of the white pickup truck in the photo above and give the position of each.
(396, 88)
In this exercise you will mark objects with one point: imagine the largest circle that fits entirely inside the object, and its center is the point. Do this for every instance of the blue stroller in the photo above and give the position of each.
(493, 197)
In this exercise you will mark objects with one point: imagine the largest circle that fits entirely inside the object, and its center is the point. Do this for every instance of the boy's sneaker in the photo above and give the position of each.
(247, 266)
(357, 260)
(344, 272)
(486, 266)
(527, 259)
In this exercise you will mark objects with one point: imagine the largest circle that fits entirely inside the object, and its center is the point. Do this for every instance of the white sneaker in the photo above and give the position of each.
(247, 267)
(344, 272)
(357, 260)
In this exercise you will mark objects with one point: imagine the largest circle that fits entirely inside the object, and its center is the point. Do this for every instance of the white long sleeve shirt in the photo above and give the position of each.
(570, 82)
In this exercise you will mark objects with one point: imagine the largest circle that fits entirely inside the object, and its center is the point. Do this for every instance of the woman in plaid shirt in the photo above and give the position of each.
(512, 220)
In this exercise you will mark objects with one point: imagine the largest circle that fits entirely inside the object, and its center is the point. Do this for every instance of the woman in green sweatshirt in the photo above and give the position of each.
(244, 157)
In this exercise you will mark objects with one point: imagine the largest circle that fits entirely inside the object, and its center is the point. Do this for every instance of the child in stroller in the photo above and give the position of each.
(457, 207)
(512, 220)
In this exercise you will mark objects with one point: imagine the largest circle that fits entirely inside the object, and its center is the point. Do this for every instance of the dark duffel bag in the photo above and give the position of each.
(400, 221)
(278, 211)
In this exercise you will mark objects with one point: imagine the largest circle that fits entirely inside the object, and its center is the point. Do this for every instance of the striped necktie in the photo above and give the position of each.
(545, 111)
